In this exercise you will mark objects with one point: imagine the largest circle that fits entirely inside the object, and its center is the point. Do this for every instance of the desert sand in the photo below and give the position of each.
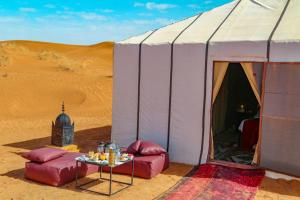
(35, 78)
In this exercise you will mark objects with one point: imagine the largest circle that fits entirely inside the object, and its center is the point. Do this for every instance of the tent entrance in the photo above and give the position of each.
(235, 115)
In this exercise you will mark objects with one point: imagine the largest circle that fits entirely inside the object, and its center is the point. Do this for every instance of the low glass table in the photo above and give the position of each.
(102, 164)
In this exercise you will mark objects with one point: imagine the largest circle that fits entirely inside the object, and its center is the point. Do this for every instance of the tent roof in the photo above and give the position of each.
(240, 20)
(250, 21)
(289, 27)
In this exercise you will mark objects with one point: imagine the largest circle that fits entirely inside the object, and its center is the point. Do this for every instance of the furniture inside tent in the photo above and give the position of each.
(235, 114)
(164, 84)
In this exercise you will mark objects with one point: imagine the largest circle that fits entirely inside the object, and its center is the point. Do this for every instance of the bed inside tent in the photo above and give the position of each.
(236, 111)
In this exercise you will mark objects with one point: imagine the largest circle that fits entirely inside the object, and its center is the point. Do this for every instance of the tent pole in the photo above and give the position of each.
(258, 149)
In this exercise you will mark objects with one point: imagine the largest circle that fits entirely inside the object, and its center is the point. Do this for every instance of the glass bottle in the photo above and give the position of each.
(111, 157)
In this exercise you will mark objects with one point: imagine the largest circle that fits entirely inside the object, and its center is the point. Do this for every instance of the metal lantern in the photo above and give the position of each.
(62, 130)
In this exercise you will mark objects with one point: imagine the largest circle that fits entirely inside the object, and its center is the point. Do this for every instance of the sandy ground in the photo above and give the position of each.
(34, 79)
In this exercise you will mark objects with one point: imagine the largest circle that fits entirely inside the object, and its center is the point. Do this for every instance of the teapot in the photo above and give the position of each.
(101, 147)
(112, 145)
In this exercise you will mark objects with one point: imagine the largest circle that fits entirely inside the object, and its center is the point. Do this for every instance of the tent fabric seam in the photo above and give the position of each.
(205, 79)
(275, 28)
(171, 76)
(139, 84)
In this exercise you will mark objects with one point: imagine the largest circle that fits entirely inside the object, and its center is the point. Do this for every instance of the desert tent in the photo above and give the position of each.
(165, 80)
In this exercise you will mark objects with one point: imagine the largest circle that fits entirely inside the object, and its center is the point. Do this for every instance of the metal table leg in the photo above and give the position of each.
(76, 172)
(132, 172)
(100, 172)
(110, 180)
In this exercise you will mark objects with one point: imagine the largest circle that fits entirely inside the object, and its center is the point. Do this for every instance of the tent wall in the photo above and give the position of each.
(187, 103)
(154, 99)
(155, 82)
(285, 51)
(124, 122)
(281, 119)
(125, 89)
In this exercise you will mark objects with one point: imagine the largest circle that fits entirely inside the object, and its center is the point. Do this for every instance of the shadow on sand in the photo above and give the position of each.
(85, 139)
(19, 174)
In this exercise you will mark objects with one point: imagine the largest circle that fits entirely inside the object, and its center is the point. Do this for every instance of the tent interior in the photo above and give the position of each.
(235, 112)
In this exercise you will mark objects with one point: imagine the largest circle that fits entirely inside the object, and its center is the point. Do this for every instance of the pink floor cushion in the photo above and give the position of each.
(58, 171)
(144, 166)
(43, 154)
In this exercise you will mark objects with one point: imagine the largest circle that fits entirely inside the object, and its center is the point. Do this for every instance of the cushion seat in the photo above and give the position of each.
(59, 171)
(144, 166)
(57, 167)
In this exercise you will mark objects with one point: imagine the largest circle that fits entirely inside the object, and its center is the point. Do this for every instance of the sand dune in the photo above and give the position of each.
(35, 77)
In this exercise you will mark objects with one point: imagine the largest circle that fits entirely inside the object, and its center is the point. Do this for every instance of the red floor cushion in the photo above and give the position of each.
(134, 147)
(150, 159)
(58, 171)
(144, 166)
(148, 148)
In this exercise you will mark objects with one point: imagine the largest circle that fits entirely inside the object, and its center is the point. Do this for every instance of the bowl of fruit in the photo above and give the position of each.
(102, 156)
(126, 157)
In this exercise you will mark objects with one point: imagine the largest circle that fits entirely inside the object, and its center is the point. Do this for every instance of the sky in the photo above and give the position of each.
(92, 21)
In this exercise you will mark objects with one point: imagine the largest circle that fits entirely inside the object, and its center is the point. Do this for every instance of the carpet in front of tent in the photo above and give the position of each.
(217, 182)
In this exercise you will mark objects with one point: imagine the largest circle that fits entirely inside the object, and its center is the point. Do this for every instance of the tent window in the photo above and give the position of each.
(235, 122)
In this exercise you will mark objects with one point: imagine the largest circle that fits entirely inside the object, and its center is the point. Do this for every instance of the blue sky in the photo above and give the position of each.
(91, 21)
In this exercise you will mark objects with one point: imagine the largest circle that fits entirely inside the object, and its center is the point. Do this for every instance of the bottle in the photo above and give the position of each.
(118, 155)
(101, 147)
(111, 157)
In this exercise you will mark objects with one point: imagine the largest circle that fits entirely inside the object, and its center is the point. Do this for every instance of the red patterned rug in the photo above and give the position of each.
(210, 182)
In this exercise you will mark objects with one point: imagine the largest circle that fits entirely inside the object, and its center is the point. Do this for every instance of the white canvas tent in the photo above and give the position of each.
(163, 80)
